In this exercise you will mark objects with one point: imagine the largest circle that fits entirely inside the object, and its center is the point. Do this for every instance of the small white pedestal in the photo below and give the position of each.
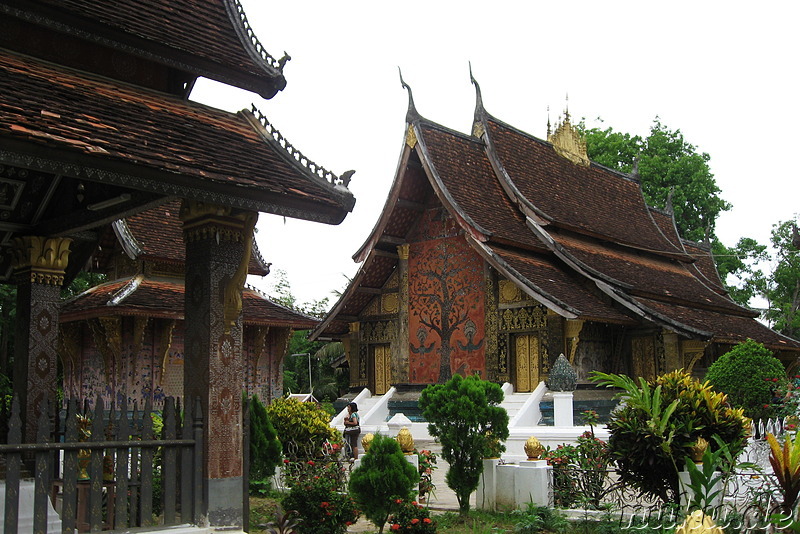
(562, 408)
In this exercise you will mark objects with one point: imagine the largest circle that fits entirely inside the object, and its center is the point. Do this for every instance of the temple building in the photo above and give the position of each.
(123, 340)
(96, 126)
(497, 251)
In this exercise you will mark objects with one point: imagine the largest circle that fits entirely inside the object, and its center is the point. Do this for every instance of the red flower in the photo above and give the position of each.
(348, 523)
(324, 504)
(427, 520)
(286, 461)
(398, 501)
(310, 462)
(414, 521)
(774, 379)
(766, 406)
(396, 527)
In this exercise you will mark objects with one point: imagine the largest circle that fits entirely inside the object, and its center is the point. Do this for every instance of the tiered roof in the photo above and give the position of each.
(155, 236)
(95, 123)
(573, 235)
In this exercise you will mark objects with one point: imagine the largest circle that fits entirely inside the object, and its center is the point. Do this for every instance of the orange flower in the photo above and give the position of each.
(427, 520)
(414, 521)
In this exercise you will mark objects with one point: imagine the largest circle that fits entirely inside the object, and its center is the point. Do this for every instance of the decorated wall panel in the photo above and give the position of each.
(446, 308)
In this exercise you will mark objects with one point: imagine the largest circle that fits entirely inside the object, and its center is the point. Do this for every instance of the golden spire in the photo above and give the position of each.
(567, 141)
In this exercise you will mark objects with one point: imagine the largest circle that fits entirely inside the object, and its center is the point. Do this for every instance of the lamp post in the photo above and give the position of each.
(310, 389)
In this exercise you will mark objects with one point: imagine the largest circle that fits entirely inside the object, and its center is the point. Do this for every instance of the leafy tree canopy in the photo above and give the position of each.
(783, 288)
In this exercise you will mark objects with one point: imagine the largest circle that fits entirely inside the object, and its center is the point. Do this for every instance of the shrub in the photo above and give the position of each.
(317, 495)
(579, 471)
(383, 480)
(538, 519)
(265, 448)
(464, 414)
(653, 432)
(411, 517)
(750, 375)
(302, 427)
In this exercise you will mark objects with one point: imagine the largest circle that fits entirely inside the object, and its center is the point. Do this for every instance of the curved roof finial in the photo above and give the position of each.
(412, 113)
(478, 96)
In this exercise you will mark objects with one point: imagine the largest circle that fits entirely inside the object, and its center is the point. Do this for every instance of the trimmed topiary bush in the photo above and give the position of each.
(383, 481)
(265, 447)
(464, 414)
(658, 423)
(749, 374)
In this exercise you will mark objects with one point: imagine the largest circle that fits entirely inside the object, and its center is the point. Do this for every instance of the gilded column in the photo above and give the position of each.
(358, 365)
(39, 265)
(403, 339)
(218, 244)
(572, 333)
(672, 351)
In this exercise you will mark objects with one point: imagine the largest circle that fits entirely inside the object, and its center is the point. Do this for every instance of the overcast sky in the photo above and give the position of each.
(724, 73)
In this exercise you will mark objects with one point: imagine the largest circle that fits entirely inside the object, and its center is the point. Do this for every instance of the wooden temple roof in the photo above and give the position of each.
(209, 38)
(577, 238)
(155, 236)
(164, 299)
(95, 124)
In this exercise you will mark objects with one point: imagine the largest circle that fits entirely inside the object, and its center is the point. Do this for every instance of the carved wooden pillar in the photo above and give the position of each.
(39, 265)
(218, 244)
(402, 313)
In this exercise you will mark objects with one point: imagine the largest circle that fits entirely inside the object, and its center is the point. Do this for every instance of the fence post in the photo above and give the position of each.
(147, 466)
(198, 493)
(186, 465)
(69, 498)
(169, 463)
(121, 471)
(14, 462)
(246, 463)
(96, 469)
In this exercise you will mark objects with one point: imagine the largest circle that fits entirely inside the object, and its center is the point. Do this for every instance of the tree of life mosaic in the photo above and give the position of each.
(446, 311)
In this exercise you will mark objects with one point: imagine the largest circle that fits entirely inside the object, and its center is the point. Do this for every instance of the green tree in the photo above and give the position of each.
(740, 264)
(265, 447)
(783, 291)
(668, 166)
(748, 374)
(383, 478)
(464, 414)
(302, 427)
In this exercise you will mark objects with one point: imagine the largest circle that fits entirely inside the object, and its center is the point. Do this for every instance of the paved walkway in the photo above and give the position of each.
(443, 498)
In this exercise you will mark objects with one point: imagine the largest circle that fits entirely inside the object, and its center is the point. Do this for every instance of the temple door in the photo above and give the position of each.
(527, 357)
(383, 368)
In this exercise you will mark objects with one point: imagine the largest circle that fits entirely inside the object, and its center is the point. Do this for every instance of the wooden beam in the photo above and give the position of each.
(384, 254)
(391, 240)
(410, 205)
(370, 290)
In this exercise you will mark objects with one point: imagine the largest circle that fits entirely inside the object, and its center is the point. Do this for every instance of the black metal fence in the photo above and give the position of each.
(106, 469)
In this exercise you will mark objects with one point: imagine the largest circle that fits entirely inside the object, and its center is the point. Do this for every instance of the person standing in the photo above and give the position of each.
(352, 429)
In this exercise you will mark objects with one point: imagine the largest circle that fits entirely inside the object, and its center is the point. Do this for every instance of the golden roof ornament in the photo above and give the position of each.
(568, 142)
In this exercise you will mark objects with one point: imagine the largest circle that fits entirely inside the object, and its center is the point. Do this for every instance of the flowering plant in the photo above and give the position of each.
(317, 494)
(411, 517)
(427, 463)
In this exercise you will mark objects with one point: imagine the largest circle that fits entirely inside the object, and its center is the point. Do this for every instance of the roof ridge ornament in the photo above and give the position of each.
(314, 168)
(478, 128)
(568, 141)
(269, 59)
(412, 114)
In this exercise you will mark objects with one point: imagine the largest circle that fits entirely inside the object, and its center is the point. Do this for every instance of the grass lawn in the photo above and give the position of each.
(543, 521)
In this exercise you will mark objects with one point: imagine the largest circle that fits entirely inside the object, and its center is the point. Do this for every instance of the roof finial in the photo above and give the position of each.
(477, 123)
(635, 170)
(566, 108)
(412, 110)
(668, 207)
(549, 129)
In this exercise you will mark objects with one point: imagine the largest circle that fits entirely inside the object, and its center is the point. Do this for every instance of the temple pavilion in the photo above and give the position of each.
(497, 251)
(123, 340)
(96, 126)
